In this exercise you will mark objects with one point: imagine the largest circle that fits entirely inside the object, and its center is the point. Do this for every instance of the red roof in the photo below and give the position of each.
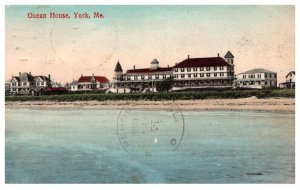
(148, 70)
(202, 62)
(100, 79)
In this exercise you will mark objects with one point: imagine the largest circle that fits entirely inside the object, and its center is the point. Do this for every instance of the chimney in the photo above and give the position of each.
(188, 56)
(168, 66)
(30, 73)
(93, 74)
(218, 55)
(81, 75)
(19, 73)
(49, 76)
(133, 67)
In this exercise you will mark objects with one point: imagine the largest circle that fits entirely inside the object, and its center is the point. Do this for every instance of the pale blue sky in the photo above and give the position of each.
(258, 36)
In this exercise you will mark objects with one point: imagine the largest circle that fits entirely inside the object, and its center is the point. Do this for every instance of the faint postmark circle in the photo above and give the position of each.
(150, 132)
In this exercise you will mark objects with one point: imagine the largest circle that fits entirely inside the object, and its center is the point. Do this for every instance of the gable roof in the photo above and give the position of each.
(291, 72)
(100, 79)
(118, 67)
(202, 62)
(149, 70)
(17, 78)
(44, 78)
(259, 70)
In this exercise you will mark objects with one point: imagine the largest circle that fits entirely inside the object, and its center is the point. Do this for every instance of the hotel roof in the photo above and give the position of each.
(202, 62)
(149, 70)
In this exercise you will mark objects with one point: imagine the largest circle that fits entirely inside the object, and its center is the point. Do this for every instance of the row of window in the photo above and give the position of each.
(25, 83)
(259, 75)
(149, 77)
(201, 69)
(253, 83)
(201, 75)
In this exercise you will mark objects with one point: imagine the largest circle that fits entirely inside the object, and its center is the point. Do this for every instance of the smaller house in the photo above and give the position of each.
(290, 81)
(257, 78)
(88, 83)
(7, 87)
(21, 85)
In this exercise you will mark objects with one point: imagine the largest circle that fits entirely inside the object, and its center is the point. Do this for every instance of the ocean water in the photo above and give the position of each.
(143, 146)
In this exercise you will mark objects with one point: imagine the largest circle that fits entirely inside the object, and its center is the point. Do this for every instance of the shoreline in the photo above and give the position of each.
(242, 104)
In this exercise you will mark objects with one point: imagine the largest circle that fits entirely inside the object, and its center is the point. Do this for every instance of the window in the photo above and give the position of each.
(258, 82)
(182, 69)
(244, 76)
(175, 76)
(215, 74)
(259, 76)
(251, 82)
(270, 75)
(176, 70)
(266, 83)
(194, 69)
(182, 76)
(275, 75)
(195, 75)
(201, 68)
(24, 83)
(149, 77)
(188, 69)
(42, 83)
(266, 75)
(128, 78)
(215, 68)
(201, 74)
(221, 74)
(164, 76)
(135, 77)
(244, 83)
(156, 76)
(208, 74)
(142, 77)
(208, 68)
(189, 75)
(221, 68)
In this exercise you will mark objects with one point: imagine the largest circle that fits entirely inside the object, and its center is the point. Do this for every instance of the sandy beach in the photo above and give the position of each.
(251, 104)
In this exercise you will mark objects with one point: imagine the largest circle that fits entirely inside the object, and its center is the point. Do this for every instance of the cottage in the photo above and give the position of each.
(290, 80)
(22, 84)
(88, 83)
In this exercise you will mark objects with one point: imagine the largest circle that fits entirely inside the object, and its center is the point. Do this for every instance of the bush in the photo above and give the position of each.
(194, 95)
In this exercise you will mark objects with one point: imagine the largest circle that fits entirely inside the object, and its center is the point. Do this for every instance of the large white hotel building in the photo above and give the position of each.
(216, 72)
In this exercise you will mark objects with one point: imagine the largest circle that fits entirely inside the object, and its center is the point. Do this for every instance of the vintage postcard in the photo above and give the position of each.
(146, 94)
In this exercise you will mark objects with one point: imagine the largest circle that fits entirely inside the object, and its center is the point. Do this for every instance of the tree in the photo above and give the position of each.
(164, 85)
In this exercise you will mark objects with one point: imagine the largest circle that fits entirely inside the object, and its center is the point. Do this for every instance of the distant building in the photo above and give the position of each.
(290, 81)
(257, 78)
(88, 83)
(55, 84)
(7, 87)
(215, 72)
(22, 84)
